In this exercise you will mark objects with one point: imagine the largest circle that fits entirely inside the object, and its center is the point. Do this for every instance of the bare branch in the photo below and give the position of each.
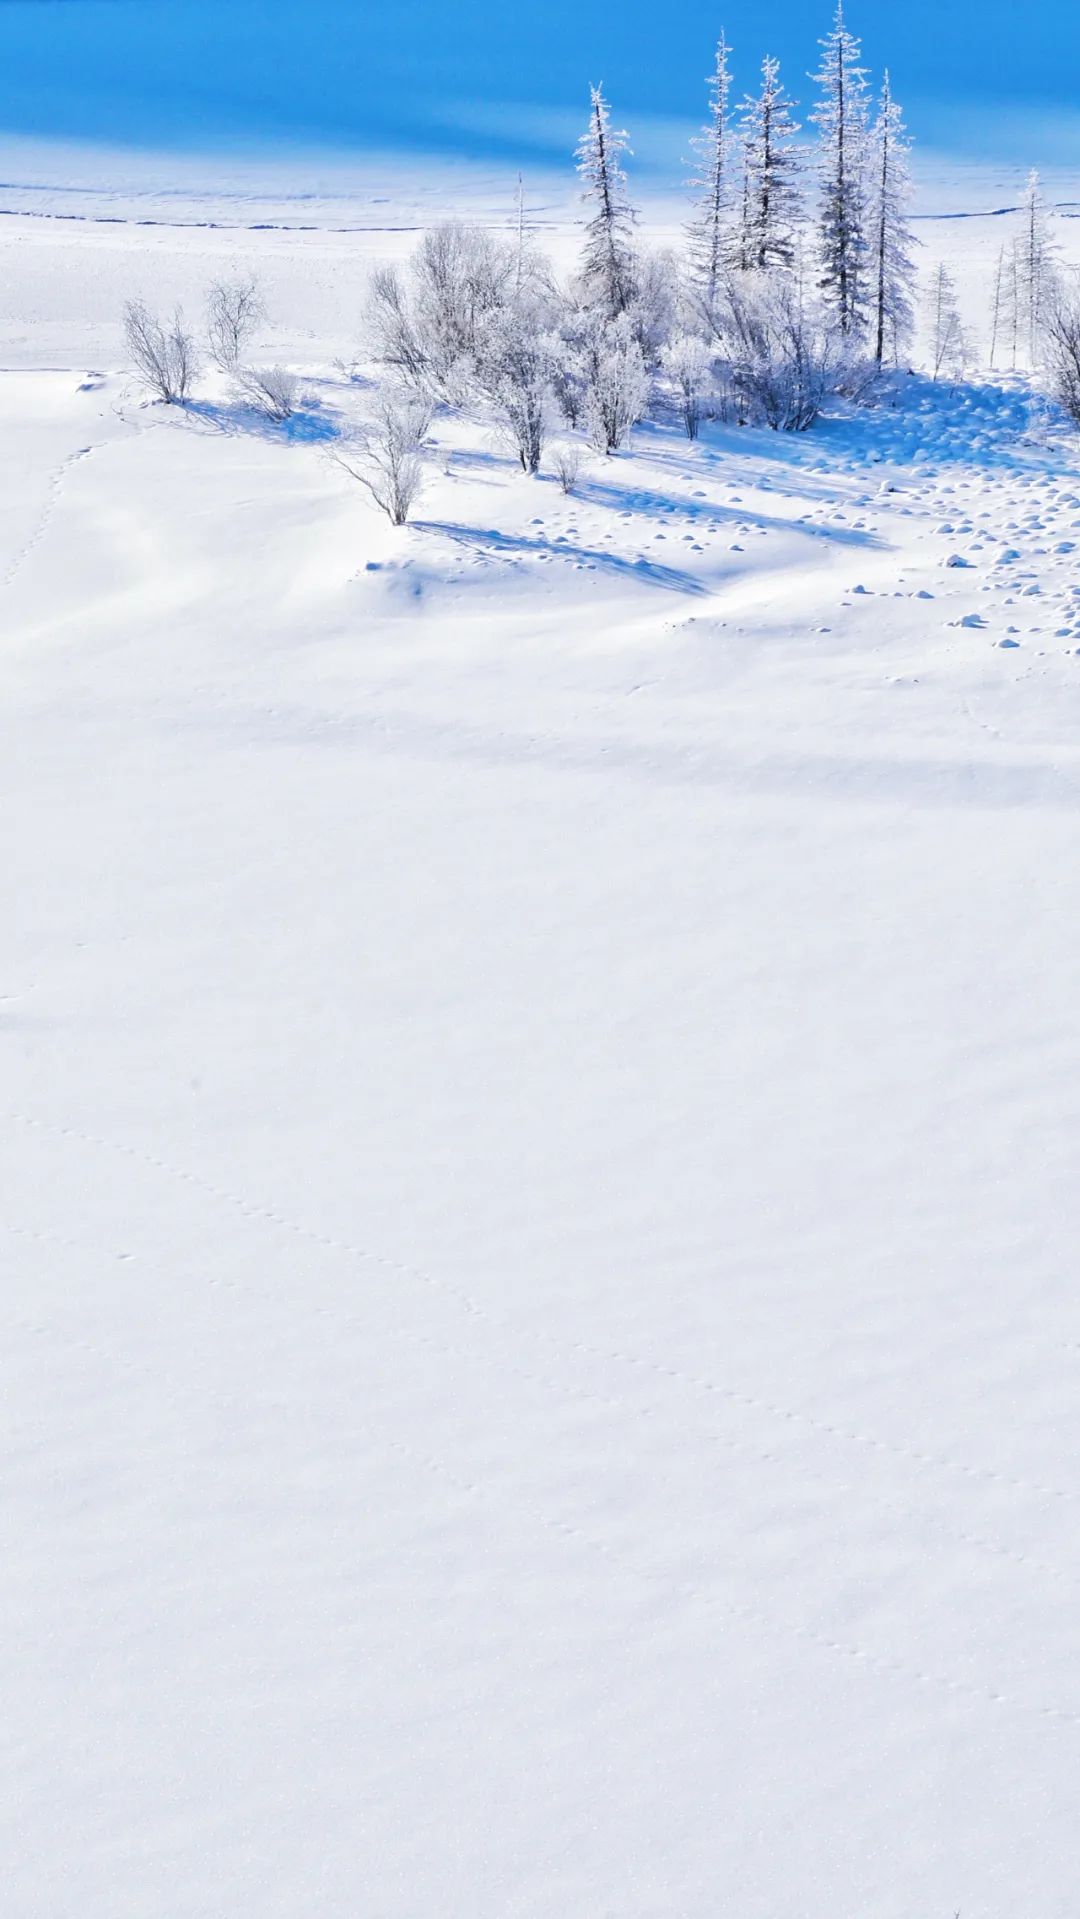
(273, 389)
(386, 457)
(164, 354)
(234, 309)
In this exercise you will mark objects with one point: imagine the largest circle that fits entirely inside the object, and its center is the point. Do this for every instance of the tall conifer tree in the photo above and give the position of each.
(841, 118)
(608, 258)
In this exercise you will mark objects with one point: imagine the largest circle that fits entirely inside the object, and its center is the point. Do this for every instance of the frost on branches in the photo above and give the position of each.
(771, 200)
(1036, 269)
(714, 148)
(891, 240)
(840, 118)
(607, 266)
(948, 341)
(772, 310)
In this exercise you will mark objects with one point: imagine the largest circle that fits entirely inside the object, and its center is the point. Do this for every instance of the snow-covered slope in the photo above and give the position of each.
(539, 1130)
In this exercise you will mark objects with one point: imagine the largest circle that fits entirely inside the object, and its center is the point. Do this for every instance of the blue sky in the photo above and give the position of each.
(507, 79)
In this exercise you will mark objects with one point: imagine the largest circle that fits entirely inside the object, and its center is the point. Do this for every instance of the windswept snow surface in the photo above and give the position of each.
(539, 1116)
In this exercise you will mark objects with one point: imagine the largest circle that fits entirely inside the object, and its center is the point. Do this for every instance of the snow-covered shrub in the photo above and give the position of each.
(783, 357)
(688, 364)
(597, 373)
(391, 327)
(570, 363)
(273, 389)
(567, 461)
(787, 384)
(855, 373)
(234, 308)
(617, 384)
(514, 367)
(386, 454)
(653, 304)
(461, 276)
(163, 352)
(1061, 351)
(426, 325)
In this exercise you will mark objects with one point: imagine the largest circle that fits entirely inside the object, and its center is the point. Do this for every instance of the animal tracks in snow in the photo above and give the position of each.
(572, 1533)
(468, 1304)
(56, 487)
(573, 1392)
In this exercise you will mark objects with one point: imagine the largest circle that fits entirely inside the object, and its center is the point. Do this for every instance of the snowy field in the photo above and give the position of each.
(540, 1205)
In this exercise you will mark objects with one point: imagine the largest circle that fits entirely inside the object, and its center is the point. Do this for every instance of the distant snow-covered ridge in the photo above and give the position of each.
(345, 192)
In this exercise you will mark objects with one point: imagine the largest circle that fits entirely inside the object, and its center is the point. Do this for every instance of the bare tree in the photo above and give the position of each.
(273, 389)
(461, 275)
(948, 341)
(163, 352)
(386, 457)
(998, 306)
(426, 325)
(1061, 347)
(234, 309)
(532, 272)
(567, 461)
(1014, 304)
(1037, 266)
(391, 327)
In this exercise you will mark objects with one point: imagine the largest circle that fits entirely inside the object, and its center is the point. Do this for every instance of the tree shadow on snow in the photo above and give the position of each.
(308, 426)
(514, 546)
(713, 513)
(478, 461)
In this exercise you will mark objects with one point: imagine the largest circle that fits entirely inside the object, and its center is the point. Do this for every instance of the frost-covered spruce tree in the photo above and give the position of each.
(891, 239)
(773, 201)
(607, 265)
(840, 118)
(714, 149)
(1037, 267)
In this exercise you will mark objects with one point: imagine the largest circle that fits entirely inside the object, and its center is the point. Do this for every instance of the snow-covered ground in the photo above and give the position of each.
(540, 1065)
